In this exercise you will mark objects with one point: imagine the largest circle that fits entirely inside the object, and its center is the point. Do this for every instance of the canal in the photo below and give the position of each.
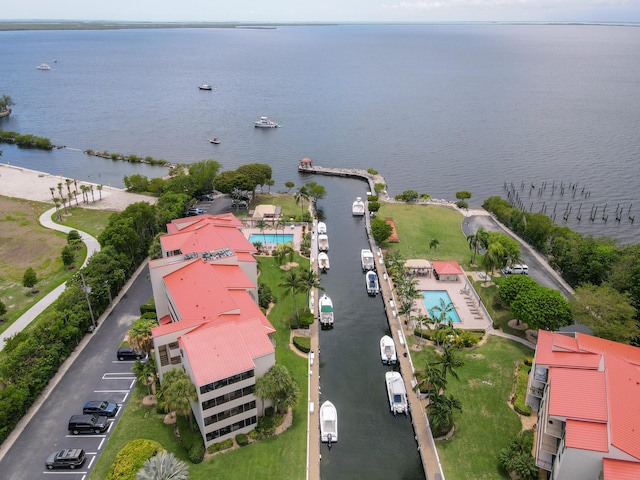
(372, 443)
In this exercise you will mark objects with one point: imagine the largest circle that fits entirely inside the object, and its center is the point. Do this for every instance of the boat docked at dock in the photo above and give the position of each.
(264, 122)
(322, 228)
(388, 353)
(323, 243)
(397, 393)
(357, 209)
(373, 286)
(366, 260)
(326, 312)
(323, 262)
(328, 423)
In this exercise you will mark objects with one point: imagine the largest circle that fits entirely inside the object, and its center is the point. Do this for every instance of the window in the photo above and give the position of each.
(231, 428)
(227, 397)
(227, 381)
(230, 413)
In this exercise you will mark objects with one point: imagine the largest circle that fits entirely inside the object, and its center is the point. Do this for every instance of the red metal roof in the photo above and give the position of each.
(577, 394)
(623, 381)
(447, 268)
(620, 470)
(587, 436)
(224, 350)
(547, 353)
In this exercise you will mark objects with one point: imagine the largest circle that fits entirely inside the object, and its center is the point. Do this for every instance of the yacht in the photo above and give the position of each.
(328, 423)
(373, 286)
(205, 86)
(323, 262)
(264, 122)
(397, 393)
(388, 353)
(357, 208)
(366, 260)
(323, 242)
(215, 141)
(326, 312)
(322, 228)
(43, 66)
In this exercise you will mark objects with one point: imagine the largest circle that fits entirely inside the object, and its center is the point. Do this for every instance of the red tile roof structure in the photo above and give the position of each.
(446, 268)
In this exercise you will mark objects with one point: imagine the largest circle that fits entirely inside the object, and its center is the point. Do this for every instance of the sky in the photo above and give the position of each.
(619, 11)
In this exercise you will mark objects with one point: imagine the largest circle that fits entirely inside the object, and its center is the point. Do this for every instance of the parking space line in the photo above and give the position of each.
(133, 382)
(111, 391)
(97, 435)
(101, 443)
(91, 462)
(73, 472)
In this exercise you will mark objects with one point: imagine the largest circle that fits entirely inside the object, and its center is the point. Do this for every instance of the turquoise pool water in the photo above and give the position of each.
(431, 298)
(271, 238)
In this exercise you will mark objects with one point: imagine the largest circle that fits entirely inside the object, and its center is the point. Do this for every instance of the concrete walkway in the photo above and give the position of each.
(30, 315)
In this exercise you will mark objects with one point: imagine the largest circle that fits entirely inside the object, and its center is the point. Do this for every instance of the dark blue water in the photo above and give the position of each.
(434, 108)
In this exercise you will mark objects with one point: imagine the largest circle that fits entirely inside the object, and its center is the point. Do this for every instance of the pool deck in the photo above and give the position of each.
(294, 230)
(471, 312)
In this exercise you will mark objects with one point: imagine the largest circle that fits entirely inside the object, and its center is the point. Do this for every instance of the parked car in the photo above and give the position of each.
(101, 407)
(205, 198)
(88, 424)
(126, 353)
(67, 458)
(516, 270)
(194, 211)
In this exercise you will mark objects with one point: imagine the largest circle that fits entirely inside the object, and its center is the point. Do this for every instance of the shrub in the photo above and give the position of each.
(302, 343)
(242, 439)
(519, 405)
(217, 447)
(528, 361)
(374, 206)
(149, 315)
(306, 319)
(462, 204)
(371, 171)
(131, 458)
(372, 198)
(267, 425)
(150, 306)
(378, 187)
(196, 453)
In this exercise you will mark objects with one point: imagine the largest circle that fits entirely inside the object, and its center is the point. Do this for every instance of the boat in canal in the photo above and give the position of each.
(398, 402)
(388, 353)
(328, 423)
(322, 228)
(373, 285)
(357, 209)
(323, 243)
(326, 312)
(323, 262)
(366, 260)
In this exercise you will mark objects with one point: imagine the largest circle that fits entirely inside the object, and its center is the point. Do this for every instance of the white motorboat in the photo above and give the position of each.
(373, 286)
(397, 393)
(323, 262)
(388, 351)
(358, 207)
(264, 122)
(205, 86)
(328, 423)
(322, 227)
(326, 312)
(323, 243)
(366, 260)
(215, 141)
(43, 66)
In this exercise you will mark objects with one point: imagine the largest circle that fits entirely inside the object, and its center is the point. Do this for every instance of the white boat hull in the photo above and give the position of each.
(323, 262)
(323, 243)
(325, 306)
(328, 423)
(388, 353)
(397, 393)
(366, 260)
(322, 228)
(372, 283)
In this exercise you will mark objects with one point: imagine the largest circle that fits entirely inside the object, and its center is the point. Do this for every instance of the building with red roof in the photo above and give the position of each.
(205, 292)
(586, 391)
(446, 271)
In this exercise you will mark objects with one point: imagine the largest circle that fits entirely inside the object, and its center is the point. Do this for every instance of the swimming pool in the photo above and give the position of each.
(271, 238)
(431, 298)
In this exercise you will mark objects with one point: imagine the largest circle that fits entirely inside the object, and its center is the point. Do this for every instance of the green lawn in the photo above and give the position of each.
(486, 424)
(281, 457)
(417, 225)
(87, 220)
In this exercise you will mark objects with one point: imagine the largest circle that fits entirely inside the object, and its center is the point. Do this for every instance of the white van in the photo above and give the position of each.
(516, 270)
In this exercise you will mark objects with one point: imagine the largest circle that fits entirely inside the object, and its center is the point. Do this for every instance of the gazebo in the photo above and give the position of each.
(447, 271)
(418, 266)
(305, 164)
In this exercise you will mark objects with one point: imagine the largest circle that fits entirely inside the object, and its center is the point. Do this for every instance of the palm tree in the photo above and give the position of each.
(52, 189)
(99, 187)
(163, 466)
(440, 313)
(75, 183)
(493, 258)
(56, 202)
(301, 195)
(292, 284)
(440, 412)
(146, 372)
(309, 280)
(179, 392)
(68, 181)
(406, 307)
(261, 224)
(449, 362)
(139, 334)
(278, 385)
(430, 380)
(477, 241)
(93, 199)
(433, 244)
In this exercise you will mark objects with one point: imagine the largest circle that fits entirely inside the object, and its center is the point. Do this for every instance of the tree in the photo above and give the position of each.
(3, 308)
(433, 244)
(278, 385)
(440, 313)
(289, 185)
(146, 372)
(380, 230)
(163, 466)
(204, 175)
(440, 412)
(449, 362)
(477, 241)
(74, 238)
(513, 285)
(315, 191)
(463, 195)
(542, 308)
(309, 281)
(68, 256)
(516, 457)
(409, 196)
(179, 392)
(493, 258)
(430, 380)
(139, 334)
(607, 312)
(5, 102)
(99, 187)
(292, 283)
(270, 183)
(300, 196)
(257, 173)
(29, 279)
(261, 225)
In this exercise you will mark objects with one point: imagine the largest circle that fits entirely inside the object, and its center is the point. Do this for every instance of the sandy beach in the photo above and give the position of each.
(33, 185)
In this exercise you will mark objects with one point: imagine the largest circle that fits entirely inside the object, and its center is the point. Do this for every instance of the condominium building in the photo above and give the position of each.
(586, 391)
(205, 292)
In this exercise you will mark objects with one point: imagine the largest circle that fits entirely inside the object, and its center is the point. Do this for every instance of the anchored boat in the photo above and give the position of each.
(397, 393)
(357, 209)
(326, 312)
(328, 423)
(366, 260)
(388, 351)
(323, 242)
(373, 286)
(323, 262)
